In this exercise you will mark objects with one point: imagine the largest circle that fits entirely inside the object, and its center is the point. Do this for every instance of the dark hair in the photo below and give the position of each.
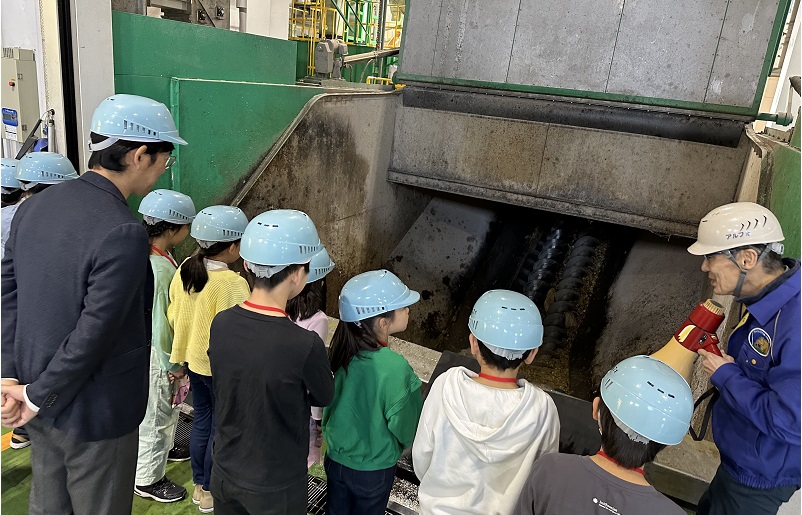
(193, 271)
(36, 188)
(350, 338)
(160, 228)
(311, 300)
(619, 447)
(499, 362)
(268, 283)
(9, 199)
(112, 158)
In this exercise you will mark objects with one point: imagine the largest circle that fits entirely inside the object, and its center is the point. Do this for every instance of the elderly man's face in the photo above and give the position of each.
(722, 273)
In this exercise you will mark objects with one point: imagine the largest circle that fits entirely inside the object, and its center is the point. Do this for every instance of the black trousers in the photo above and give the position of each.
(230, 499)
(84, 478)
(357, 492)
(726, 496)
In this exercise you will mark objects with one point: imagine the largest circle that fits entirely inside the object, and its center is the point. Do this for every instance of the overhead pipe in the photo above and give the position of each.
(786, 118)
(367, 56)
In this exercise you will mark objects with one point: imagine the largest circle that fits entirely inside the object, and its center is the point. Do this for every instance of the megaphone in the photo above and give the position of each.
(697, 332)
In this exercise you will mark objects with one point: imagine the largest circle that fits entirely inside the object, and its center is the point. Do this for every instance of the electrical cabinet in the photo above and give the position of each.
(19, 95)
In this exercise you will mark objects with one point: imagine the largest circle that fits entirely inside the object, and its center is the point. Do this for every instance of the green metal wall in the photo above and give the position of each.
(784, 198)
(152, 47)
(231, 94)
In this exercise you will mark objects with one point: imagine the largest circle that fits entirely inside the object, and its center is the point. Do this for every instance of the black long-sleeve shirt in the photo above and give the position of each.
(267, 372)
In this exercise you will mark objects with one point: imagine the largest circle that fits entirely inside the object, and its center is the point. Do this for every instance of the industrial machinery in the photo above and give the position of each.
(212, 13)
(20, 93)
(329, 54)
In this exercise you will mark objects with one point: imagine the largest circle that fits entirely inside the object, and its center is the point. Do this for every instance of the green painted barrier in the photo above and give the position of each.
(231, 94)
(229, 128)
(784, 199)
(145, 46)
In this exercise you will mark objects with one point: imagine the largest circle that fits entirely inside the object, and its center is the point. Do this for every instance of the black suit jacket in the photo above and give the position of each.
(74, 325)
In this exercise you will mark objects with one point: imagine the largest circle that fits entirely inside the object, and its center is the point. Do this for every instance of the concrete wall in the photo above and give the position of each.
(687, 53)
(333, 166)
(658, 184)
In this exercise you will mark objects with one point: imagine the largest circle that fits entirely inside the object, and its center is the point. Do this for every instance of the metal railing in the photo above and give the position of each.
(357, 22)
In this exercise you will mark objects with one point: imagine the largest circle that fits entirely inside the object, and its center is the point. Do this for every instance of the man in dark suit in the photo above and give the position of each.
(75, 325)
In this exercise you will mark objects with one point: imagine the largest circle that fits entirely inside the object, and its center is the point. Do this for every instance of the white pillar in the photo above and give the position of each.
(93, 60)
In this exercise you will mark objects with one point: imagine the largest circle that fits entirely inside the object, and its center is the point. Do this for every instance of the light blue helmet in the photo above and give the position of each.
(44, 168)
(320, 266)
(649, 398)
(506, 320)
(280, 237)
(167, 206)
(373, 293)
(8, 178)
(133, 118)
(218, 223)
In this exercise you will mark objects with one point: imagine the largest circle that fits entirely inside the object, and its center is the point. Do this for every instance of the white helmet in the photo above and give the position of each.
(737, 225)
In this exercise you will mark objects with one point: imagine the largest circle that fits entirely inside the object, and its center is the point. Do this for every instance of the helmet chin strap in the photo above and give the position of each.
(742, 276)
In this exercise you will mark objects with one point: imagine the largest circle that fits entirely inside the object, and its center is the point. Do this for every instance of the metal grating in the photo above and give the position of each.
(183, 430)
(316, 503)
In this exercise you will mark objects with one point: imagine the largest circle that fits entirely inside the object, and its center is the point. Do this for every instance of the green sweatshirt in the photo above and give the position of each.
(375, 411)
(163, 272)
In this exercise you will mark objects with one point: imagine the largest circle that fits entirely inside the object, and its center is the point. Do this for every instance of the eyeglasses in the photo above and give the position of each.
(714, 254)
(730, 253)
(170, 162)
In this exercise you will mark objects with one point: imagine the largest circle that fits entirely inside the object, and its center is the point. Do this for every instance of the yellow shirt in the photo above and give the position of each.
(191, 314)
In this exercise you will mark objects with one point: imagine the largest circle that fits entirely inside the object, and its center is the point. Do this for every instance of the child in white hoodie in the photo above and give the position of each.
(479, 435)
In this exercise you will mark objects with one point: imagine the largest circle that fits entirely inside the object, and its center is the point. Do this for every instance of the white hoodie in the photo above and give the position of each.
(476, 444)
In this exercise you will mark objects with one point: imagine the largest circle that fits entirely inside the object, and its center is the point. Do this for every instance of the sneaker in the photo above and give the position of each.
(178, 453)
(162, 490)
(19, 439)
(196, 494)
(206, 502)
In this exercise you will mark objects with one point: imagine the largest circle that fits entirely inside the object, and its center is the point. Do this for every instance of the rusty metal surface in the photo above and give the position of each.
(332, 165)
(658, 184)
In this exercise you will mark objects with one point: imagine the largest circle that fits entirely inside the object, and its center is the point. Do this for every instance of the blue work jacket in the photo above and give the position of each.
(756, 421)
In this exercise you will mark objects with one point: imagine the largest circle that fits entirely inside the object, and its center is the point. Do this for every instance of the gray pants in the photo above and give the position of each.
(84, 478)
(157, 430)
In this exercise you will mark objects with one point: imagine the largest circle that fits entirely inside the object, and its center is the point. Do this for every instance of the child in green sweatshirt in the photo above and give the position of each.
(377, 400)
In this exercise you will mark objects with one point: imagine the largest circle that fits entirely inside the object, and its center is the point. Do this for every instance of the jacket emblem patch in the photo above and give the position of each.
(760, 341)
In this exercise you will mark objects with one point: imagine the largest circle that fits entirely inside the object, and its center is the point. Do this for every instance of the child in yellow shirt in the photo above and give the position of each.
(203, 287)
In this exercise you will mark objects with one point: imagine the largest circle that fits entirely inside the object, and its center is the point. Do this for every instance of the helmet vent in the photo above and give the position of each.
(128, 125)
(372, 309)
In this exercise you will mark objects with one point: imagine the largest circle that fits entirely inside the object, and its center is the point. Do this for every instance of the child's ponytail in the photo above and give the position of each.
(193, 271)
(349, 339)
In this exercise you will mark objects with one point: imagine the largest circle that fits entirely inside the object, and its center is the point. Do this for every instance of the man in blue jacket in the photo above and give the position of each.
(756, 419)
(75, 327)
